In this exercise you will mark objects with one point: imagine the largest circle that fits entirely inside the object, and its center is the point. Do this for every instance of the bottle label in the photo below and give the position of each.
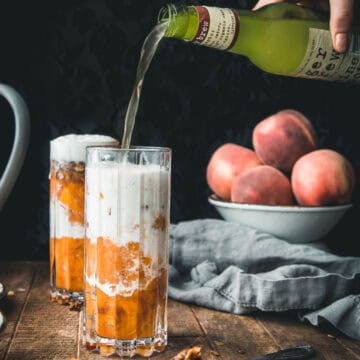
(321, 61)
(218, 27)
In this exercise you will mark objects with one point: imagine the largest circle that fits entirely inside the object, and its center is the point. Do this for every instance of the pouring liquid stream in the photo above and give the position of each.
(148, 50)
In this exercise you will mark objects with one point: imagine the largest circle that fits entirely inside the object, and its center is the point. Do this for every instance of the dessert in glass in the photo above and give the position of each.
(67, 233)
(127, 206)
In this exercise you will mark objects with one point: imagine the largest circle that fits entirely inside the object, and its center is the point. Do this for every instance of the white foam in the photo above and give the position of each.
(123, 201)
(72, 147)
(111, 289)
(118, 288)
(60, 225)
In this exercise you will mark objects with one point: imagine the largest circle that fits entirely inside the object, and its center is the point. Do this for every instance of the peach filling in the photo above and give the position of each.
(68, 187)
(134, 311)
(69, 263)
(66, 252)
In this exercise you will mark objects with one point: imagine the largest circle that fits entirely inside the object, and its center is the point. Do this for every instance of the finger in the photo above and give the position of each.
(341, 19)
(262, 3)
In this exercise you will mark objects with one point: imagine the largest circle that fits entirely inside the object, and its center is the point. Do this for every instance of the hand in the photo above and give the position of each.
(341, 18)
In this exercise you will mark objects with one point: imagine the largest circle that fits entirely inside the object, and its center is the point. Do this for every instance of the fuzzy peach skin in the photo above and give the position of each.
(264, 185)
(227, 162)
(282, 138)
(323, 177)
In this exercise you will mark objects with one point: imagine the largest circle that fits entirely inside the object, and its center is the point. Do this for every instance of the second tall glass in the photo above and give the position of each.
(67, 232)
(127, 206)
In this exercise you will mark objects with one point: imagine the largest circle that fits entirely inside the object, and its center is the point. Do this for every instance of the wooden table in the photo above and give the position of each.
(39, 329)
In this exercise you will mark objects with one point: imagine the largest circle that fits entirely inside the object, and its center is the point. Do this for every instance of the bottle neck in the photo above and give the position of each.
(209, 26)
(182, 21)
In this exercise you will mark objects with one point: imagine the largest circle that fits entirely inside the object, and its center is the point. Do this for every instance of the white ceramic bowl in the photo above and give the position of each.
(296, 224)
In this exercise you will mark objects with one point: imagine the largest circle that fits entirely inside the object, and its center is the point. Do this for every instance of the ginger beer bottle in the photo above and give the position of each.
(281, 38)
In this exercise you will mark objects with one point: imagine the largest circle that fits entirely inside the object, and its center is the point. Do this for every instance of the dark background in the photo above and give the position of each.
(74, 63)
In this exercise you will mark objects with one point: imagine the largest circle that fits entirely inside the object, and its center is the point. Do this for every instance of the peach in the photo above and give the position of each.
(323, 177)
(282, 138)
(228, 161)
(263, 185)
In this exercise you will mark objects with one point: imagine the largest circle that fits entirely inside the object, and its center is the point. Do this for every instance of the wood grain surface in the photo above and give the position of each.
(38, 329)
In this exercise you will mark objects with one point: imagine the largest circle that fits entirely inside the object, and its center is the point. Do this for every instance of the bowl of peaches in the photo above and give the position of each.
(285, 185)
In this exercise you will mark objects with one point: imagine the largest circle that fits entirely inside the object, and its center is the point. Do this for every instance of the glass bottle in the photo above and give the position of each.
(282, 38)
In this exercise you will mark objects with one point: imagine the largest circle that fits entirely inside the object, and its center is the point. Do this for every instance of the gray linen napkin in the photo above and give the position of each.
(238, 269)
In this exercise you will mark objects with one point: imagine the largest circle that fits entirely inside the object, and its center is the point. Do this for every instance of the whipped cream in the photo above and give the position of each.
(60, 226)
(128, 203)
(119, 288)
(72, 147)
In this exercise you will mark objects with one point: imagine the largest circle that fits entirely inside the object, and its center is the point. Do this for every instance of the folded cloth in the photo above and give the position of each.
(234, 268)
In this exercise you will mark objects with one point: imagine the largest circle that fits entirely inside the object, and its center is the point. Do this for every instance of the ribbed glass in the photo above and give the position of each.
(127, 206)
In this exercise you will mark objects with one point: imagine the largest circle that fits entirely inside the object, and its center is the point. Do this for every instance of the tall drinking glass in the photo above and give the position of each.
(67, 232)
(127, 207)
